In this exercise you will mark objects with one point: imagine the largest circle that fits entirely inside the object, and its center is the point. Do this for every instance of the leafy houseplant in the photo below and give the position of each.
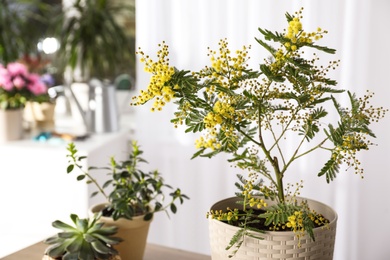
(94, 45)
(135, 192)
(92, 39)
(39, 111)
(136, 195)
(256, 115)
(85, 240)
(17, 86)
(22, 24)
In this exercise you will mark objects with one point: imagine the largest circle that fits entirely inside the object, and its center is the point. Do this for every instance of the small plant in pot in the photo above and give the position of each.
(134, 197)
(267, 119)
(86, 239)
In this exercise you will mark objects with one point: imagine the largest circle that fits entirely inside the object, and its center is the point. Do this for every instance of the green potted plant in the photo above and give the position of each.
(39, 111)
(17, 86)
(11, 37)
(135, 195)
(86, 239)
(93, 41)
(267, 119)
(94, 49)
(22, 25)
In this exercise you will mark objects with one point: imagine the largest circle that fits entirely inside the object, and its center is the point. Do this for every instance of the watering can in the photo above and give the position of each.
(102, 113)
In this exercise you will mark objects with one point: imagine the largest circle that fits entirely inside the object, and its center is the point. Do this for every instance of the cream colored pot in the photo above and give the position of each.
(282, 245)
(11, 124)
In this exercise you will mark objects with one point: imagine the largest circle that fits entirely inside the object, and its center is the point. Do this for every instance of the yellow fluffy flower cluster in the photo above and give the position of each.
(212, 119)
(222, 110)
(208, 141)
(295, 222)
(294, 27)
(161, 74)
(229, 215)
(253, 201)
(297, 36)
(225, 67)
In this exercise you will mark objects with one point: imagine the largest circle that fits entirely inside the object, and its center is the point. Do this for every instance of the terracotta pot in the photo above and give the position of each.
(11, 124)
(282, 245)
(133, 232)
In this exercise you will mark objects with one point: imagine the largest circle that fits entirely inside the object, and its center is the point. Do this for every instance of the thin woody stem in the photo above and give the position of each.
(274, 162)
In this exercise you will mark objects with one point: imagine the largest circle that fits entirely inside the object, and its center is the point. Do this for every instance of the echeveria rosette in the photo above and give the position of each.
(18, 85)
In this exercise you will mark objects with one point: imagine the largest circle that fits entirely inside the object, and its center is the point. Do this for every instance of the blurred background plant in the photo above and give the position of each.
(18, 85)
(94, 39)
(25, 37)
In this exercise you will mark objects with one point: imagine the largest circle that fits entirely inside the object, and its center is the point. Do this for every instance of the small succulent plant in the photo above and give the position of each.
(88, 239)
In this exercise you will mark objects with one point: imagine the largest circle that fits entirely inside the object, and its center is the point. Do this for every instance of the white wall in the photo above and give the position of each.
(358, 29)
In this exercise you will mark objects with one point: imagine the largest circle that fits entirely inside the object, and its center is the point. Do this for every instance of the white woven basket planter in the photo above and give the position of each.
(282, 245)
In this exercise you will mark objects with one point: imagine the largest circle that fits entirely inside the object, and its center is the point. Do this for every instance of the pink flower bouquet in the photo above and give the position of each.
(18, 85)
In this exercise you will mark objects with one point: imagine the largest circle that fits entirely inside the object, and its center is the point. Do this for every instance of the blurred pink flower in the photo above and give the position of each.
(17, 85)
(19, 82)
(17, 69)
(5, 79)
(36, 85)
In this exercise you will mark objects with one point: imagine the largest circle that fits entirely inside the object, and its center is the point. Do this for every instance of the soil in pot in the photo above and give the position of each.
(260, 222)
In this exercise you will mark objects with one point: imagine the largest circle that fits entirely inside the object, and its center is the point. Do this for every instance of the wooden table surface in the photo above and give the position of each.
(152, 252)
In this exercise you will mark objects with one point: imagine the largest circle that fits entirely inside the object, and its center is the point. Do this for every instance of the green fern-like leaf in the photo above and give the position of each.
(336, 134)
(330, 169)
(279, 213)
(270, 75)
(322, 48)
(310, 128)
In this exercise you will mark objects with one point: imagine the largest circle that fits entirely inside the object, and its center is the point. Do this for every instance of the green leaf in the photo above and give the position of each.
(198, 153)
(69, 168)
(56, 250)
(330, 169)
(107, 183)
(75, 245)
(100, 247)
(236, 239)
(81, 177)
(68, 234)
(148, 216)
(173, 208)
(270, 75)
(61, 225)
(323, 48)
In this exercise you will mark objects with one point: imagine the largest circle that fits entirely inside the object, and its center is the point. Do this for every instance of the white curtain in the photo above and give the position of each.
(358, 29)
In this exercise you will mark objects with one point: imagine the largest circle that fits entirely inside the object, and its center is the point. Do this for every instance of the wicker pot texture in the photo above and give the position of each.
(282, 245)
(133, 232)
